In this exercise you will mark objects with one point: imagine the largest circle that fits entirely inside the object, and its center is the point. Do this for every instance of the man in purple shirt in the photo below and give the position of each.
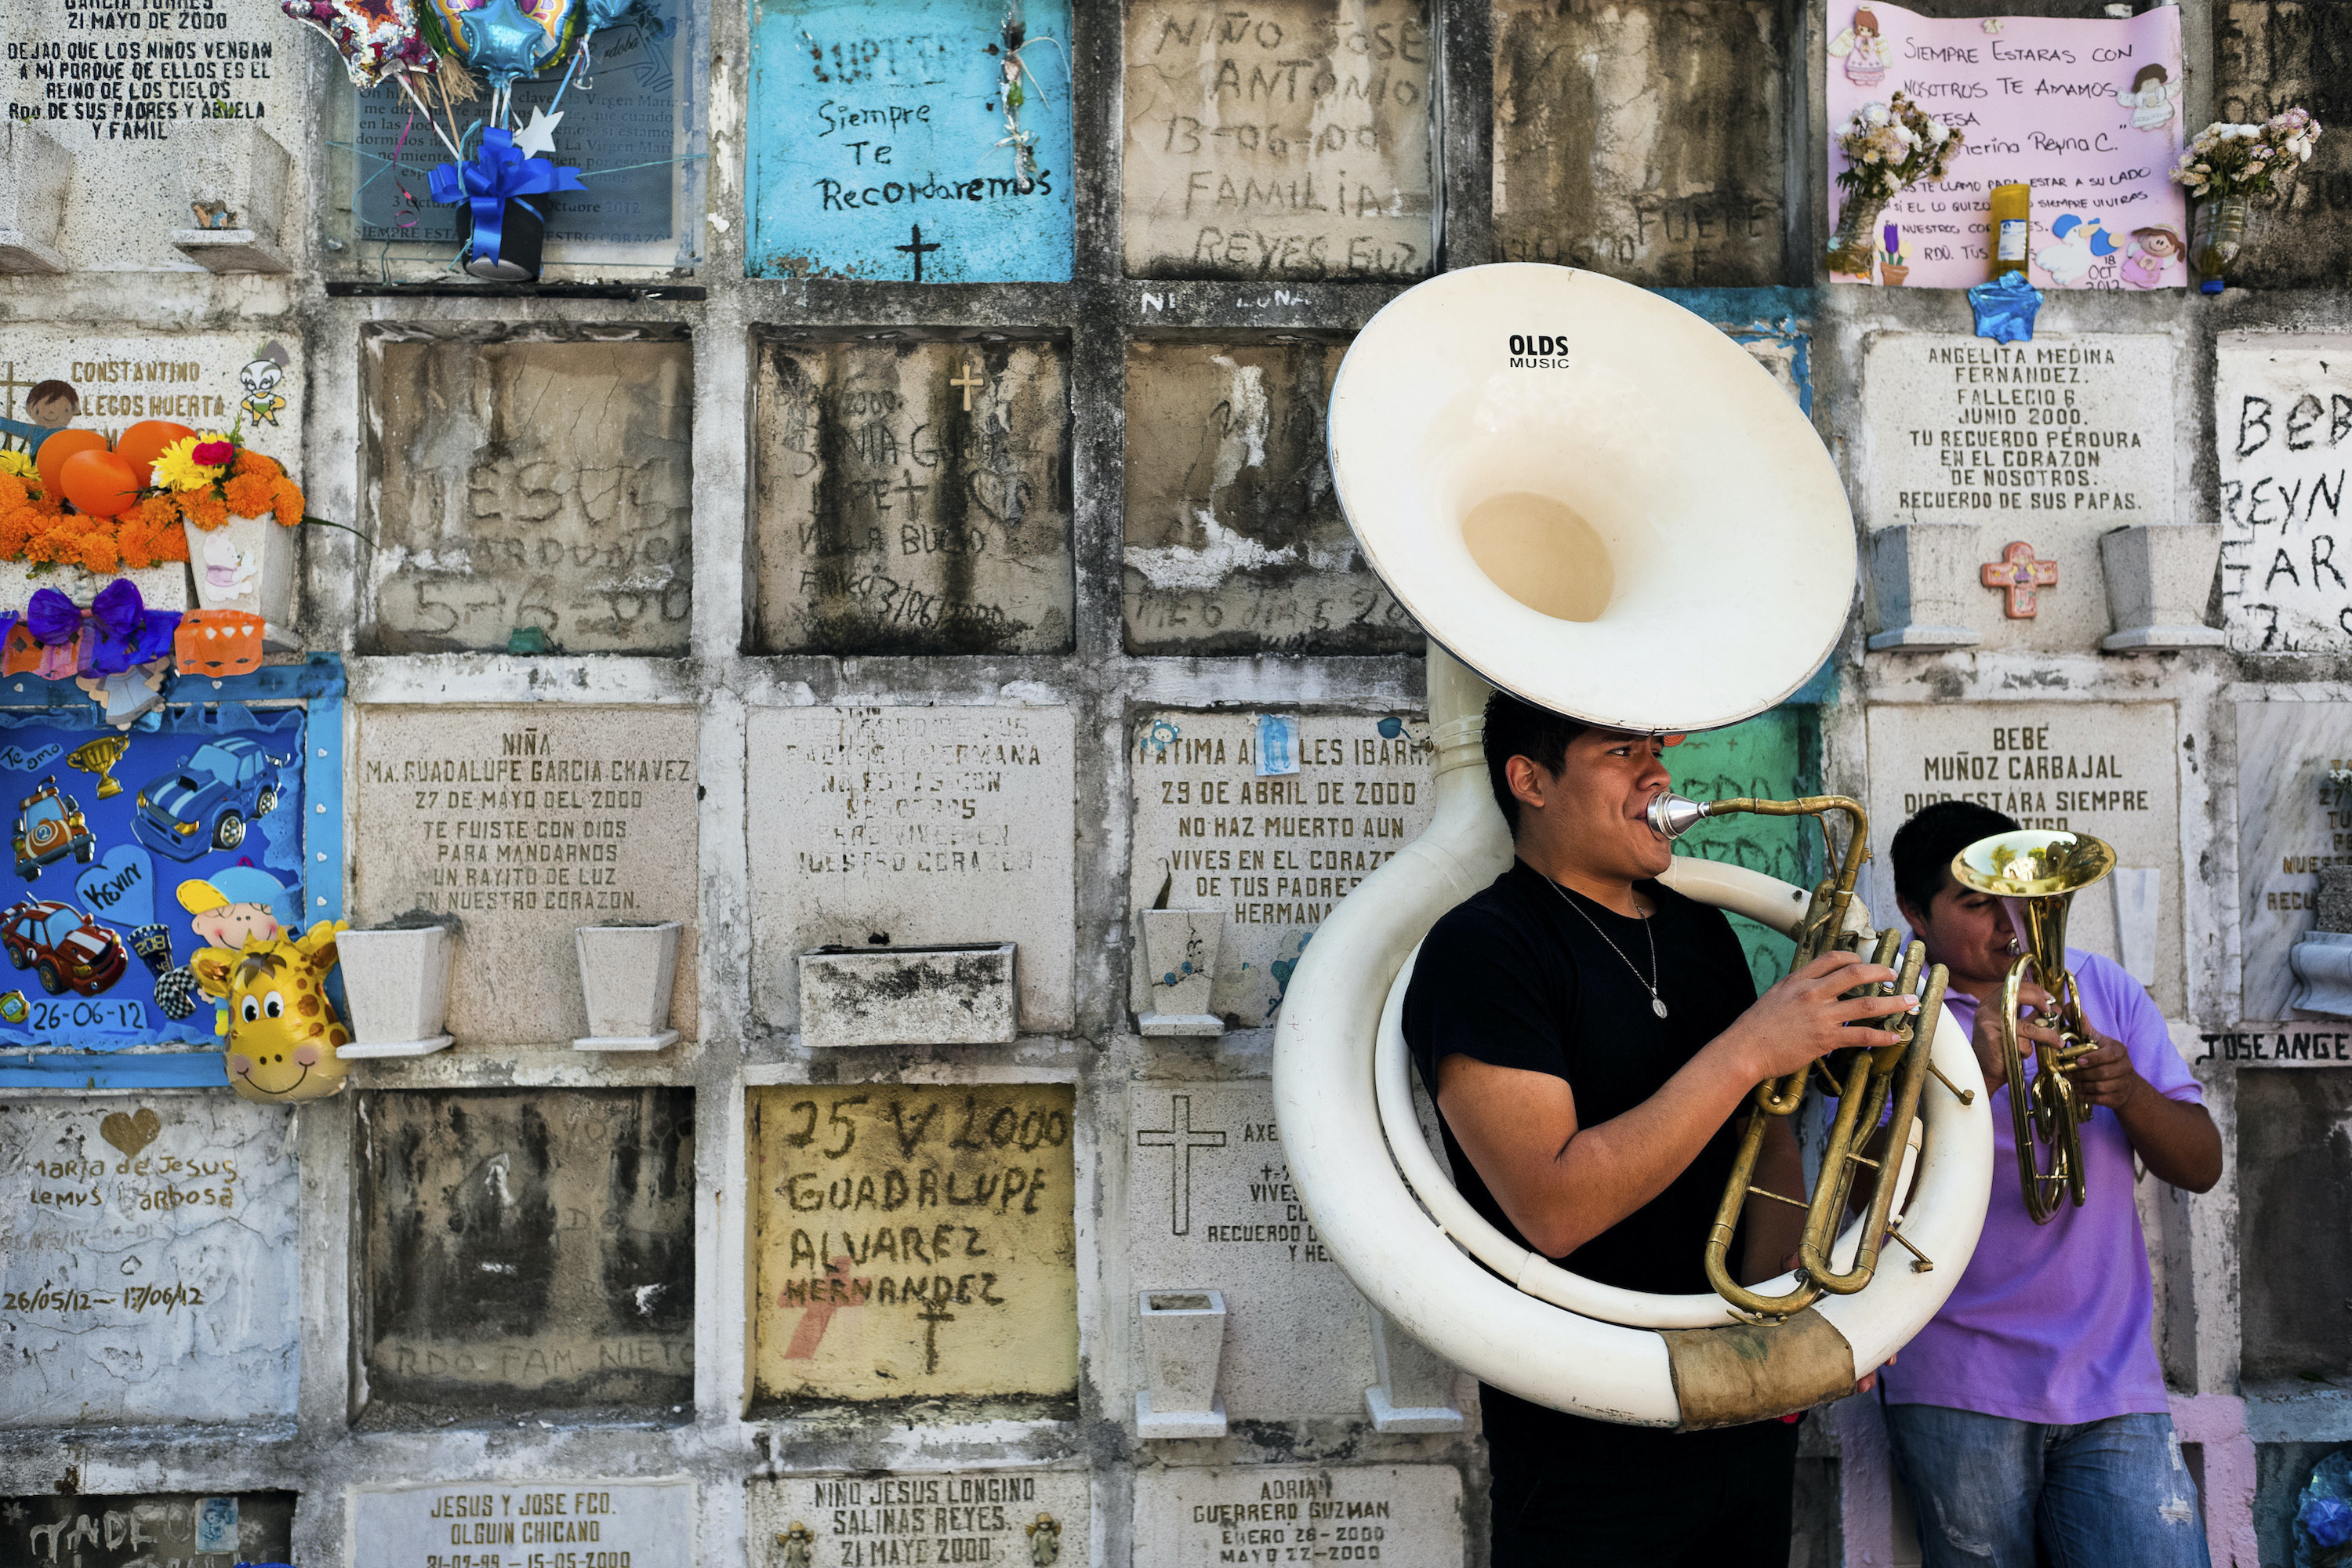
(2033, 1403)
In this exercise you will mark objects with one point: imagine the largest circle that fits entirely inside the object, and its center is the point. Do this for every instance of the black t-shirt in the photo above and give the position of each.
(1517, 977)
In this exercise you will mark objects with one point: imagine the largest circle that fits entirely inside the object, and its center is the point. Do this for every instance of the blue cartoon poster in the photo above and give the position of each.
(130, 851)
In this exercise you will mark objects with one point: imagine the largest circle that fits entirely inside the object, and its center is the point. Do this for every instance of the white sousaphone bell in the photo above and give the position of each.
(1597, 501)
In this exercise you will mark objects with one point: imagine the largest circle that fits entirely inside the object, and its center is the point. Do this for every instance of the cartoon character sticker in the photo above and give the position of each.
(2148, 253)
(49, 407)
(2076, 245)
(260, 378)
(1863, 51)
(2152, 100)
(229, 573)
(233, 906)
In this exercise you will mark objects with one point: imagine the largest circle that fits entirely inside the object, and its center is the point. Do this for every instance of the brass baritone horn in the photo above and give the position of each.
(1861, 1081)
(2037, 874)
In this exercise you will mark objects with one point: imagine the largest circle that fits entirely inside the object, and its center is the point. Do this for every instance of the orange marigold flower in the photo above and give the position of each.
(204, 509)
(289, 503)
(170, 544)
(12, 492)
(250, 495)
(134, 541)
(13, 532)
(158, 512)
(99, 552)
(249, 461)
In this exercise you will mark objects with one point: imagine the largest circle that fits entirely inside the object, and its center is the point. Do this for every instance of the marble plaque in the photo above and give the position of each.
(2272, 56)
(520, 485)
(912, 1242)
(1210, 1206)
(1234, 539)
(147, 1252)
(147, 1530)
(916, 825)
(913, 497)
(2108, 769)
(527, 824)
(2294, 816)
(1272, 851)
(531, 1520)
(1641, 140)
(2053, 442)
(527, 1249)
(1390, 1514)
(207, 381)
(2282, 442)
(981, 1516)
(1286, 138)
(885, 141)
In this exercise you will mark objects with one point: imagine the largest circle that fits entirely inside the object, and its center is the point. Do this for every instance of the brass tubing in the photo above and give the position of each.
(1876, 1225)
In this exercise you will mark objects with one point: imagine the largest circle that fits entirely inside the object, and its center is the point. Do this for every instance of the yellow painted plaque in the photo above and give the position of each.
(914, 1242)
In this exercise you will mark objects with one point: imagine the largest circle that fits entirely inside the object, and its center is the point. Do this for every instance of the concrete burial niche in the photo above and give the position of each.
(913, 495)
(1287, 139)
(914, 1243)
(148, 1248)
(1235, 541)
(136, 1529)
(529, 489)
(2295, 1184)
(2276, 55)
(1645, 141)
(525, 1249)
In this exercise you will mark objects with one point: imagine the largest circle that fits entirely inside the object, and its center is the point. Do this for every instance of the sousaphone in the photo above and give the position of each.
(1594, 499)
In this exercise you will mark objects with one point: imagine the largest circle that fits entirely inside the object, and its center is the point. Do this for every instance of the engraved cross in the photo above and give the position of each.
(971, 381)
(1180, 1137)
(2019, 576)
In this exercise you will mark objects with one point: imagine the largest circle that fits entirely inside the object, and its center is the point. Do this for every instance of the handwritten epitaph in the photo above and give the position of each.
(2294, 817)
(147, 1530)
(987, 1516)
(2273, 56)
(526, 1519)
(918, 825)
(148, 1266)
(868, 125)
(1643, 141)
(915, 1241)
(521, 485)
(1210, 1206)
(528, 1248)
(1200, 1517)
(1275, 853)
(914, 497)
(207, 381)
(2107, 769)
(2053, 442)
(2087, 110)
(1234, 539)
(1290, 139)
(2283, 440)
(527, 824)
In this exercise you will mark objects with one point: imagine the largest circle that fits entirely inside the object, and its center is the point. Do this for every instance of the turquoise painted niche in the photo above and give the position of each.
(1769, 756)
(881, 148)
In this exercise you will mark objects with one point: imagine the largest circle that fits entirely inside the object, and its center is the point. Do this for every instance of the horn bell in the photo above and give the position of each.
(1636, 526)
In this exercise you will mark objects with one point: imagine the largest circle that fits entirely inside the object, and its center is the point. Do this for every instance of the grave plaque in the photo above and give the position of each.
(1389, 1513)
(2295, 1181)
(525, 1519)
(528, 824)
(527, 1249)
(1271, 820)
(995, 1517)
(1290, 139)
(918, 825)
(886, 145)
(521, 485)
(149, 1259)
(914, 497)
(1210, 1206)
(2053, 442)
(149, 1529)
(207, 381)
(1234, 539)
(2107, 769)
(2272, 56)
(1643, 141)
(2283, 440)
(914, 1242)
(2294, 816)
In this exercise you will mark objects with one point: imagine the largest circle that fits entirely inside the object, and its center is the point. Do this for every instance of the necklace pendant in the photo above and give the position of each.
(1657, 1006)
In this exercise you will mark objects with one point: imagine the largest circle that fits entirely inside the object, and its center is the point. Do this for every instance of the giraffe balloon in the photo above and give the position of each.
(283, 1030)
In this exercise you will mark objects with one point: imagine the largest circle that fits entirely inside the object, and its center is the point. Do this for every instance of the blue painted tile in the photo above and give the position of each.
(871, 122)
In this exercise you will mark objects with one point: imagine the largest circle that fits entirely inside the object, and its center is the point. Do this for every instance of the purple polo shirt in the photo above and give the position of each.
(2050, 1322)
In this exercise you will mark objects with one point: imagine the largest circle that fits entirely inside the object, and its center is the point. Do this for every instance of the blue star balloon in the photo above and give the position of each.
(2006, 308)
(503, 42)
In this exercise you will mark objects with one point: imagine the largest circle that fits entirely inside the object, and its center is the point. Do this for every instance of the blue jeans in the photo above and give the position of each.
(2104, 1494)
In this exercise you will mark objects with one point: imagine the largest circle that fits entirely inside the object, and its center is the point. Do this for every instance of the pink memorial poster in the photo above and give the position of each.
(2086, 111)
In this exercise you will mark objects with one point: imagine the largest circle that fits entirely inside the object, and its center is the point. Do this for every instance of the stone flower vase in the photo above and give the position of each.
(247, 566)
(1183, 1341)
(1180, 952)
(626, 974)
(396, 987)
(2220, 235)
(1856, 240)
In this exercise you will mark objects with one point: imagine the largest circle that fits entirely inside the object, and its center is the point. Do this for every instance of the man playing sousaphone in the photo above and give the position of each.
(1590, 1039)
(2033, 1404)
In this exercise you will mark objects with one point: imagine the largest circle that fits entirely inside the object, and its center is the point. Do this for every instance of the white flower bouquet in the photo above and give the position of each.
(2225, 160)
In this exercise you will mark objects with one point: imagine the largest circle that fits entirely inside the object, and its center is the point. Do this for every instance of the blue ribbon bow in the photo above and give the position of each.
(498, 173)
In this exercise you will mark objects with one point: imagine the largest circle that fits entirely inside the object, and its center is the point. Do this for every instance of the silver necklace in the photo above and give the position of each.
(1657, 1005)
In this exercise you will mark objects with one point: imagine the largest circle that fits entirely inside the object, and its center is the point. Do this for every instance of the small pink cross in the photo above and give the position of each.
(2018, 574)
